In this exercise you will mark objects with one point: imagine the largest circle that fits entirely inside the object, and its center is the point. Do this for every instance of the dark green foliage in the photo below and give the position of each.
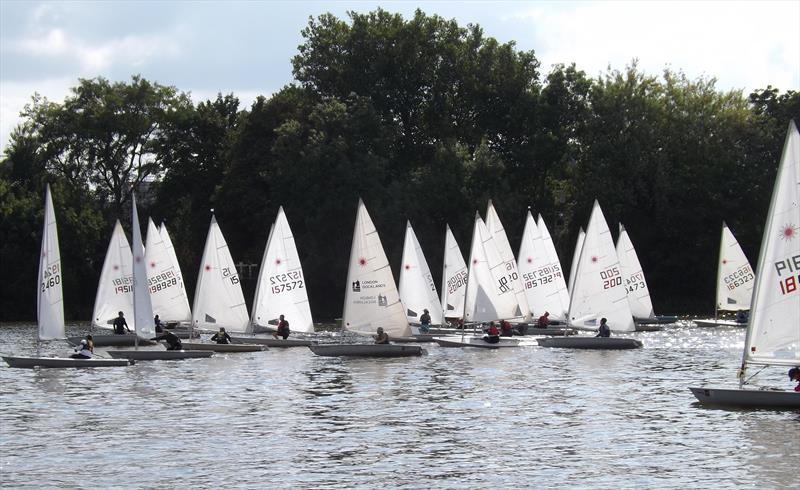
(425, 121)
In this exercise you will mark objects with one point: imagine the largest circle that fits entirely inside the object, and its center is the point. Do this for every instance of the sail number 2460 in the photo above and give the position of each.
(611, 277)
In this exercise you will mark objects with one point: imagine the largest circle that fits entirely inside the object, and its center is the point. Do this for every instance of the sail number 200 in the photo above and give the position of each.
(611, 277)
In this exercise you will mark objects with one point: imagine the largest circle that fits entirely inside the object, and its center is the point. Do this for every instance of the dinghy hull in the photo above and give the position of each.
(112, 340)
(476, 342)
(202, 346)
(159, 355)
(733, 397)
(366, 350)
(718, 323)
(61, 362)
(590, 343)
(272, 342)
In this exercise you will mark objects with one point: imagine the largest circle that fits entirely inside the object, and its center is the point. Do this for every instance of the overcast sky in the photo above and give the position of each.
(245, 47)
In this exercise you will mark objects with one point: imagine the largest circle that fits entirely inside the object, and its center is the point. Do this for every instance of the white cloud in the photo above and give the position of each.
(14, 96)
(132, 50)
(742, 44)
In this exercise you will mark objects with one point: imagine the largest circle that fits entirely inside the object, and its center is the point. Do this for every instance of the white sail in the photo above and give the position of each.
(773, 335)
(50, 297)
(417, 289)
(490, 294)
(115, 287)
(218, 298)
(174, 257)
(633, 277)
(281, 287)
(495, 227)
(735, 277)
(168, 295)
(598, 290)
(576, 255)
(371, 298)
(542, 278)
(142, 288)
(454, 278)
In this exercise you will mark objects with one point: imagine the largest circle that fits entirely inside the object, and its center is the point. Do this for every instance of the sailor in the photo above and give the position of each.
(544, 320)
(425, 321)
(492, 334)
(159, 324)
(120, 325)
(173, 342)
(381, 337)
(283, 328)
(505, 329)
(221, 337)
(794, 375)
(603, 331)
(85, 350)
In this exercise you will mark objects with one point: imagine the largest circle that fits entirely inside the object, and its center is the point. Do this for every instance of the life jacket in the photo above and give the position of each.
(493, 330)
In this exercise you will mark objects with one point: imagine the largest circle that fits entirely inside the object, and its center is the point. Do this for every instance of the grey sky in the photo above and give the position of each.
(246, 47)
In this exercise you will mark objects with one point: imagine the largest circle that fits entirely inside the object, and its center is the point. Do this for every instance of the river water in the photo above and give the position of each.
(511, 418)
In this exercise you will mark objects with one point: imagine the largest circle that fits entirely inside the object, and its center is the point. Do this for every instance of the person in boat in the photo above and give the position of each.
(604, 330)
(742, 316)
(794, 375)
(120, 325)
(544, 320)
(283, 328)
(221, 337)
(506, 330)
(159, 324)
(85, 350)
(492, 334)
(172, 340)
(425, 321)
(381, 337)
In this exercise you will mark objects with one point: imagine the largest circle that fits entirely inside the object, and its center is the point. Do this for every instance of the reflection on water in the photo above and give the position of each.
(512, 418)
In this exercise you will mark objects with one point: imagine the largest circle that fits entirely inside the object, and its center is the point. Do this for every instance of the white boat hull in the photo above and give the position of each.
(272, 342)
(476, 342)
(366, 350)
(203, 346)
(734, 397)
(159, 355)
(112, 340)
(420, 338)
(61, 362)
(718, 323)
(584, 342)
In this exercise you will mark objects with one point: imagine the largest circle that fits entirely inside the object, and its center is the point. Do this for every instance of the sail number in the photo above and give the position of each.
(287, 281)
(123, 285)
(541, 276)
(232, 276)
(739, 277)
(611, 277)
(635, 282)
(162, 281)
(511, 275)
(51, 276)
(457, 281)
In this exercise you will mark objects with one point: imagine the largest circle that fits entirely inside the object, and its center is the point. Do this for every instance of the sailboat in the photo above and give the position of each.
(598, 292)
(114, 293)
(490, 294)
(50, 302)
(773, 331)
(169, 299)
(218, 298)
(142, 305)
(371, 297)
(541, 274)
(280, 290)
(454, 277)
(495, 227)
(636, 285)
(417, 289)
(735, 280)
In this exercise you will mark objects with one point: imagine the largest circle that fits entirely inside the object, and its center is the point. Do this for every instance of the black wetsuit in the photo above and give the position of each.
(221, 338)
(173, 342)
(120, 325)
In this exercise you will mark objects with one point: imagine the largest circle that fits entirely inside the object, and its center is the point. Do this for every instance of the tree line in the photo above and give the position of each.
(422, 118)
